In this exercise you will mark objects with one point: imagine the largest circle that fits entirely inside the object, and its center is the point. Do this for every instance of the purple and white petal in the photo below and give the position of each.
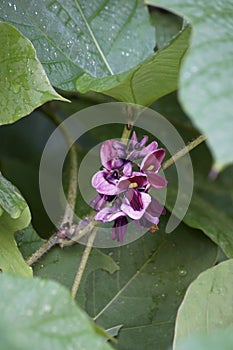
(152, 162)
(108, 154)
(99, 201)
(135, 204)
(127, 169)
(136, 180)
(153, 219)
(155, 208)
(109, 214)
(151, 147)
(119, 229)
(102, 185)
(143, 141)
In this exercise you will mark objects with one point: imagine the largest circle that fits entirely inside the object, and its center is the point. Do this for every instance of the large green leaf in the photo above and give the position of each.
(38, 314)
(148, 81)
(211, 207)
(144, 294)
(71, 37)
(62, 264)
(16, 216)
(210, 210)
(24, 85)
(214, 340)
(206, 86)
(207, 304)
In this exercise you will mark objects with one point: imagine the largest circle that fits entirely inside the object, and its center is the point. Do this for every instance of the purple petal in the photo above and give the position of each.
(127, 169)
(118, 145)
(115, 163)
(152, 147)
(109, 155)
(132, 142)
(103, 186)
(120, 149)
(134, 137)
(108, 214)
(156, 180)
(98, 201)
(143, 141)
(135, 204)
(136, 180)
(153, 219)
(147, 223)
(142, 152)
(154, 210)
(119, 229)
(152, 162)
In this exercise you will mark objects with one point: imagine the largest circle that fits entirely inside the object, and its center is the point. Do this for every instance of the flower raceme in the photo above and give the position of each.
(129, 171)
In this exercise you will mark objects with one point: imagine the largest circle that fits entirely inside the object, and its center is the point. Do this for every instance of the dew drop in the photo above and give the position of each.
(46, 308)
(182, 272)
(194, 69)
(178, 292)
(54, 7)
(16, 88)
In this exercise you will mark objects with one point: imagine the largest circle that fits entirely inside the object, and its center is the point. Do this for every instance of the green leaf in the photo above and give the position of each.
(61, 264)
(144, 294)
(40, 314)
(148, 81)
(210, 210)
(10, 199)
(16, 217)
(206, 86)
(207, 304)
(99, 38)
(211, 207)
(214, 340)
(24, 85)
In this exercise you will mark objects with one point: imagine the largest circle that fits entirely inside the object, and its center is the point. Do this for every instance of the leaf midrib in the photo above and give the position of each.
(129, 281)
(93, 38)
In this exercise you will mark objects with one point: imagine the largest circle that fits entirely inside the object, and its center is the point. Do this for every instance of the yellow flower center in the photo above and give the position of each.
(133, 185)
(151, 167)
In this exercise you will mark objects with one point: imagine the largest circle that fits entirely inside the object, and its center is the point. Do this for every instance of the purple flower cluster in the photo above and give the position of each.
(129, 171)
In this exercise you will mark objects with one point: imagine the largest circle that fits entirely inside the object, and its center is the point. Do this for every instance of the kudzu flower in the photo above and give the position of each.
(122, 191)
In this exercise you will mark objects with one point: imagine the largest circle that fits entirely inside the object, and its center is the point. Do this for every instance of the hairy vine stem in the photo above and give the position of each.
(53, 240)
(83, 263)
(73, 179)
(183, 151)
(67, 219)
